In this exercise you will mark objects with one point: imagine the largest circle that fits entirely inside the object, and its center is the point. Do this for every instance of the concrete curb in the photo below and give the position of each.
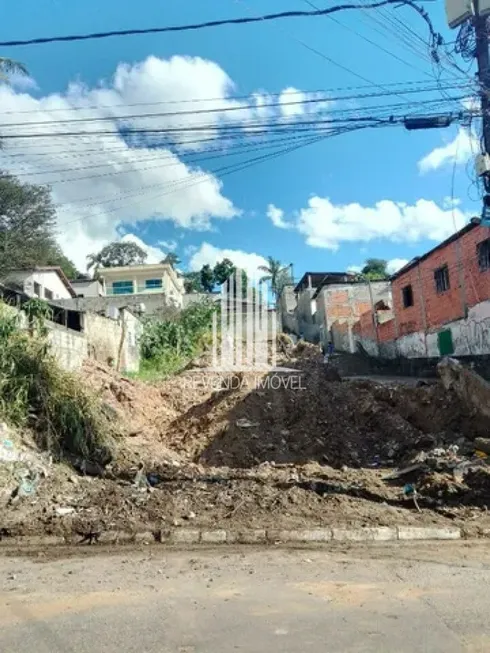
(188, 536)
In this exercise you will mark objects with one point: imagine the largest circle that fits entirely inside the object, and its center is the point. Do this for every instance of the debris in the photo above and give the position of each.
(404, 471)
(62, 512)
(244, 423)
(140, 480)
(482, 445)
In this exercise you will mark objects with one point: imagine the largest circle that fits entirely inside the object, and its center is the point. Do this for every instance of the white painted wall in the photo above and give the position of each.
(88, 288)
(47, 279)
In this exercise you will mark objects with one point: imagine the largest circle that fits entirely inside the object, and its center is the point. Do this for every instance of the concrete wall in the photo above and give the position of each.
(198, 297)
(286, 305)
(114, 342)
(155, 305)
(69, 347)
(89, 288)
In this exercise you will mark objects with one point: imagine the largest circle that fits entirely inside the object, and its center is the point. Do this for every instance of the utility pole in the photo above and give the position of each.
(458, 12)
(483, 60)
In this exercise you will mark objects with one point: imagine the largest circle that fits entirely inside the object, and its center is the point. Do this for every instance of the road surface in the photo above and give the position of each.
(430, 598)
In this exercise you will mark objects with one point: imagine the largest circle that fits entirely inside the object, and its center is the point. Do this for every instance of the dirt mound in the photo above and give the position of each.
(358, 424)
(286, 449)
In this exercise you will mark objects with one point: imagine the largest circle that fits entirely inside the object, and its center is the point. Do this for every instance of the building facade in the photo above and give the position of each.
(157, 279)
(339, 306)
(49, 283)
(441, 302)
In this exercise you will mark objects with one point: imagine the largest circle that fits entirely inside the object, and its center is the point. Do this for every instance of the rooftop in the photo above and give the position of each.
(47, 268)
(319, 279)
(418, 259)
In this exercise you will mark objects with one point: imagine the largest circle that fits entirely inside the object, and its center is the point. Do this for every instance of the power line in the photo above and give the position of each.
(368, 40)
(258, 127)
(306, 101)
(225, 171)
(227, 99)
(228, 21)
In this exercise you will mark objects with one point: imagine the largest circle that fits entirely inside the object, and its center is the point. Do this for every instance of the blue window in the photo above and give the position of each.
(122, 287)
(151, 284)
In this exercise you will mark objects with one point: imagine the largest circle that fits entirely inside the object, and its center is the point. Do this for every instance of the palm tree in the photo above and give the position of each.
(276, 273)
(11, 67)
(172, 259)
(94, 261)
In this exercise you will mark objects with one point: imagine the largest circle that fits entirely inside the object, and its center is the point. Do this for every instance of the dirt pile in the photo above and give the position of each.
(288, 449)
(356, 423)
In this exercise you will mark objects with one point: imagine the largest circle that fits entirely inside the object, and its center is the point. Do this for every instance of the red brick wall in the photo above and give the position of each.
(364, 328)
(447, 306)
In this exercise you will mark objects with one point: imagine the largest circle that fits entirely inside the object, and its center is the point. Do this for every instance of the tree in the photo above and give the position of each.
(278, 274)
(56, 257)
(207, 278)
(223, 270)
(192, 282)
(27, 228)
(375, 269)
(117, 254)
(171, 259)
(27, 224)
(11, 67)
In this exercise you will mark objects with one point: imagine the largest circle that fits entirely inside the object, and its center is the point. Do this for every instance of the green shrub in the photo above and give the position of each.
(35, 391)
(167, 345)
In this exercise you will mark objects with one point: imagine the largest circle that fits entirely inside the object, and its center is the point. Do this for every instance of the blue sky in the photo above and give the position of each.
(335, 203)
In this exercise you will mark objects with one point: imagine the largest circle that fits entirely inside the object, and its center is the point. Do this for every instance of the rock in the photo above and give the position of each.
(483, 444)
(470, 387)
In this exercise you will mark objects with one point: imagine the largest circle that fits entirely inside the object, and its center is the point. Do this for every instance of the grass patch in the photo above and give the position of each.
(36, 392)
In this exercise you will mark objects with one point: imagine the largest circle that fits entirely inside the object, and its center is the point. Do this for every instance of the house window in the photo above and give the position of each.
(48, 294)
(407, 296)
(122, 287)
(37, 289)
(153, 284)
(441, 278)
(483, 253)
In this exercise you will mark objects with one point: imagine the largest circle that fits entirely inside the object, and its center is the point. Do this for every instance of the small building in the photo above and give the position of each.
(88, 287)
(45, 282)
(308, 324)
(145, 280)
(442, 299)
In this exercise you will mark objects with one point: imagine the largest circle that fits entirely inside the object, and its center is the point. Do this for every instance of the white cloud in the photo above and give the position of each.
(291, 101)
(168, 244)
(208, 254)
(101, 181)
(458, 150)
(276, 216)
(395, 264)
(327, 225)
(154, 254)
(354, 269)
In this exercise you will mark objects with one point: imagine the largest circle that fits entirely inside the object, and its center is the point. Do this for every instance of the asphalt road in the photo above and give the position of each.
(431, 598)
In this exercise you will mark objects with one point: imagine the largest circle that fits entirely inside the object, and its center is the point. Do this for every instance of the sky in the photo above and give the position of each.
(327, 206)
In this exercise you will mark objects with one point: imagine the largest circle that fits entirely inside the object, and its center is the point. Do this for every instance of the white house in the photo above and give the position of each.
(153, 279)
(49, 283)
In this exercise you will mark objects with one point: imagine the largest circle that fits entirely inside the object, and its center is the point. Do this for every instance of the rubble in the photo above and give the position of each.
(350, 453)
